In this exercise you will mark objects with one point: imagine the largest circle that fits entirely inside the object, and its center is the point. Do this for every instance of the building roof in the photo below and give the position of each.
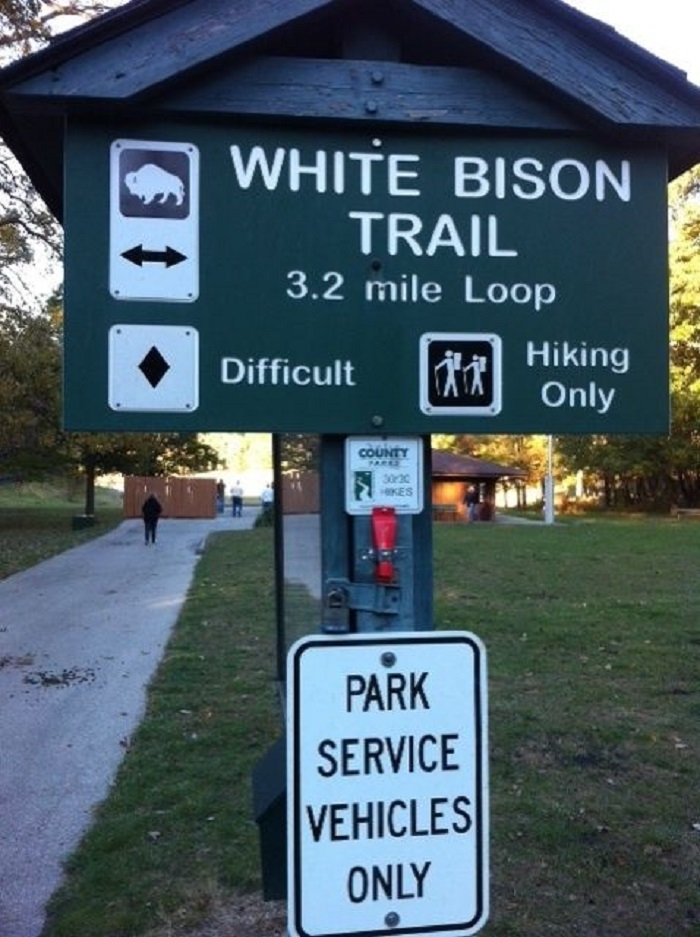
(449, 464)
(527, 65)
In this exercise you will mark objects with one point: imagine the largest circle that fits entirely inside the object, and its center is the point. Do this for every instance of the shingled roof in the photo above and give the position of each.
(530, 65)
(449, 464)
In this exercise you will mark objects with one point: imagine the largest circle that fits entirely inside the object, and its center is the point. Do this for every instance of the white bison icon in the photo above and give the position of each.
(153, 183)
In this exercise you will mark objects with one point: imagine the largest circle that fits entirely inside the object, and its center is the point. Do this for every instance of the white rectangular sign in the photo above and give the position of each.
(153, 368)
(154, 221)
(387, 783)
(383, 471)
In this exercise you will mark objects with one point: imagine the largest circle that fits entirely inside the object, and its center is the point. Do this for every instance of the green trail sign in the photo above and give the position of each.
(228, 277)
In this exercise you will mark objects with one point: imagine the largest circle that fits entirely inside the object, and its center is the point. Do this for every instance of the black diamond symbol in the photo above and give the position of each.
(154, 367)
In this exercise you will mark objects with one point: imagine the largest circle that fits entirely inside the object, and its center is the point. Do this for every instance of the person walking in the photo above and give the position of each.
(472, 501)
(237, 500)
(220, 495)
(151, 509)
(267, 498)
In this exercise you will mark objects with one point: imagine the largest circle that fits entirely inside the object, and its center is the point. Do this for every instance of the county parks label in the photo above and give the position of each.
(383, 472)
(387, 785)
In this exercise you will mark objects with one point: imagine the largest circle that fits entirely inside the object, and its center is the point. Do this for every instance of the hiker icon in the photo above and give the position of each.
(478, 367)
(460, 373)
(451, 364)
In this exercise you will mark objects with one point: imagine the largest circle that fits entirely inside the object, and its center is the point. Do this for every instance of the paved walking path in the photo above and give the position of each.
(81, 635)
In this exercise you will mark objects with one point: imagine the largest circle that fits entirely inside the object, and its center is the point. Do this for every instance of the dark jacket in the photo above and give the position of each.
(151, 508)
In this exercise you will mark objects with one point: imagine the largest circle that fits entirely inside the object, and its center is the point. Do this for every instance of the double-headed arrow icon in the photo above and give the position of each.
(153, 237)
(139, 255)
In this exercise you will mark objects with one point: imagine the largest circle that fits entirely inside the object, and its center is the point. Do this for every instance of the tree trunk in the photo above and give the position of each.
(89, 488)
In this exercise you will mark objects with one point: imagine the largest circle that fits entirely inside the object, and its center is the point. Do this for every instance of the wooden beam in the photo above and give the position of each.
(372, 91)
(168, 47)
(615, 79)
(607, 81)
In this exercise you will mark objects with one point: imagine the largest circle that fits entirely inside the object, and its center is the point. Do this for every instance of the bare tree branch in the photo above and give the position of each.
(27, 229)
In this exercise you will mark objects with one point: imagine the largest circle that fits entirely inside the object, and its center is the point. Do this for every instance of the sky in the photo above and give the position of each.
(668, 28)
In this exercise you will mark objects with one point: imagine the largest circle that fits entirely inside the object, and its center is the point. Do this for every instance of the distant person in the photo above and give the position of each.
(267, 497)
(151, 510)
(237, 500)
(472, 502)
(220, 495)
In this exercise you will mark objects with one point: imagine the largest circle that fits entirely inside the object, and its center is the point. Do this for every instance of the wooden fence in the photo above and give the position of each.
(180, 497)
(300, 493)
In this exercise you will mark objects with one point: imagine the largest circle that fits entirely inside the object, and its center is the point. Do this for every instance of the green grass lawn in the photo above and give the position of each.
(593, 639)
(594, 649)
(36, 522)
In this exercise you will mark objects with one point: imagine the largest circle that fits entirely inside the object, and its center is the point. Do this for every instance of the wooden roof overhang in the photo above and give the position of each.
(495, 66)
(451, 465)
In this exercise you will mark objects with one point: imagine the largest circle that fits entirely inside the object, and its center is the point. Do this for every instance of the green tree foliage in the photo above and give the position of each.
(93, 454)
(685, 283)
(20, 27)
(27, 230)
(655, 471)
(26, 25)
(143, 453)
(31, 442)
(24, 220)
(299, 452)
(637, 471)
(524, 452)
(626, 471)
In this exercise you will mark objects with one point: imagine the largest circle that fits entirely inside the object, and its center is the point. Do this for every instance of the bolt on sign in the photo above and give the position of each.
(348, 282)
(387, 785)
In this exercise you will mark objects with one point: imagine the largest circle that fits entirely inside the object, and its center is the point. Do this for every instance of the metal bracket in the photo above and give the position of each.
(371, 555)
(363, 596)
